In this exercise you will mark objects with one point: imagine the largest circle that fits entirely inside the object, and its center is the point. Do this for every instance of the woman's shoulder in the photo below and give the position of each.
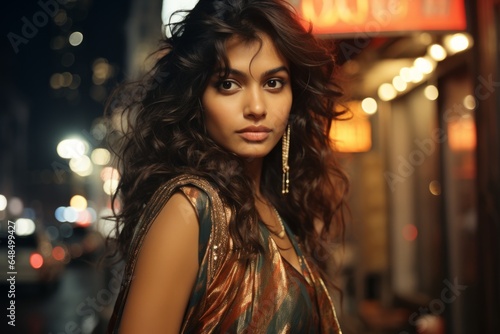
(197, 189)
(201, 192)
(212, 213)
(189, 182)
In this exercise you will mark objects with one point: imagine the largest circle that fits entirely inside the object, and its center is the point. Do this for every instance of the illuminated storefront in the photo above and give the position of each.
(410, 150)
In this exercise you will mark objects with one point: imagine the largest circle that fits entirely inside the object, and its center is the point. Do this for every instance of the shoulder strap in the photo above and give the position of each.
(150, 212)
(201, 204)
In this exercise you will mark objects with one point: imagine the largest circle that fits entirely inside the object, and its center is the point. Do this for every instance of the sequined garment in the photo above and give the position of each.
(264, 294)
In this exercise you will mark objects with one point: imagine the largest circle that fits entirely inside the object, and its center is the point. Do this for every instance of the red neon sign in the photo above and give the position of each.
(375, 16)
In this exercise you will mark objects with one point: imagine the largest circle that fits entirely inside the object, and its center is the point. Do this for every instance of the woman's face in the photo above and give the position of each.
(247, 113)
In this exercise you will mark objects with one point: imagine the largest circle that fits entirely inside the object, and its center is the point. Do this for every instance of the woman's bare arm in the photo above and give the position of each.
(165, 272)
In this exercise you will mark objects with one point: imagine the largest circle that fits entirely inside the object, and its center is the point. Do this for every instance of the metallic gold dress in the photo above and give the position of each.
(263, 294)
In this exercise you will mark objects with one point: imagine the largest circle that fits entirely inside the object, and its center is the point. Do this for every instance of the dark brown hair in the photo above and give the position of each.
(165, 133)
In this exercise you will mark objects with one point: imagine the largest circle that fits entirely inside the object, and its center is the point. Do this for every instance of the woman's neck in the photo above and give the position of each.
(253, 169)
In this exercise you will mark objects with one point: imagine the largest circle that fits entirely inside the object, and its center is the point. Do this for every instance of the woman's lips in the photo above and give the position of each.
(254, 136)
(254, 133)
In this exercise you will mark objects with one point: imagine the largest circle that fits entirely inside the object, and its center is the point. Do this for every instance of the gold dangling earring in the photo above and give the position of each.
(284, 161)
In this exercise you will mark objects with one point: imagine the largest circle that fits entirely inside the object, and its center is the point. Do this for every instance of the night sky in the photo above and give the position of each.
(25, 75)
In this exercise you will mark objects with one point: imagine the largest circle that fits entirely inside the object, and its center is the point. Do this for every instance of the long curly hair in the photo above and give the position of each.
(165, 134)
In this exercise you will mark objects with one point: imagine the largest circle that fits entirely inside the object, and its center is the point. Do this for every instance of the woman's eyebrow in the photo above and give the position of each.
(276, 70)
(239, 73)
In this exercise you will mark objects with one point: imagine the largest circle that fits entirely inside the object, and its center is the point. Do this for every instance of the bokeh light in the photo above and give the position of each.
(59, 214)
(93, 214)
(435, 187)
(415, 75)
(75, 83)
(431, 92)
(110, 186)
(369, 105)
(405, 74)
(84, 218)
(76, 38)
(52, 232)
(70, 214)
(72, 148)
(109, 173)
(56, 80)
(99, 131)
(67, 79)
(410, 232)
(102, 71)
(15, 206)
(58, 253)
(399, 84)
(66, 230)
(36, 260)
(437, 52)
(456, 43)
(424, 65)
(100, 156)
(78, 202)
(61, 17)
(25, 226)
(3, 202)
(81, 165)
(387, 92)
(469, 102)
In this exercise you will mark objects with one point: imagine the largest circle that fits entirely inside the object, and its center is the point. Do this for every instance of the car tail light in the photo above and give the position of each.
(36, 260)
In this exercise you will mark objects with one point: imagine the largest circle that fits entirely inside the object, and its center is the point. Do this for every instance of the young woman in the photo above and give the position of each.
(230, 189)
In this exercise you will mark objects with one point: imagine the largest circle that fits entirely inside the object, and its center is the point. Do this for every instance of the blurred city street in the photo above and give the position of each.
(75, 304)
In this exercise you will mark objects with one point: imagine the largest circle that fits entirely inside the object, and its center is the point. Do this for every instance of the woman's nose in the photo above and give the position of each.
(255, 105)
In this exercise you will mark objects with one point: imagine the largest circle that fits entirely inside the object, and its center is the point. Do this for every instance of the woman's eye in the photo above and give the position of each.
(228, 85)
(274, 84)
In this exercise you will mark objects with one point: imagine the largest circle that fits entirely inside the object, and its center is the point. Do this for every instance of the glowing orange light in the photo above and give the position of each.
(58, 253)
(462, 134)
(36, 261)
(410, 232)
(368, 16)
(355, 134)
